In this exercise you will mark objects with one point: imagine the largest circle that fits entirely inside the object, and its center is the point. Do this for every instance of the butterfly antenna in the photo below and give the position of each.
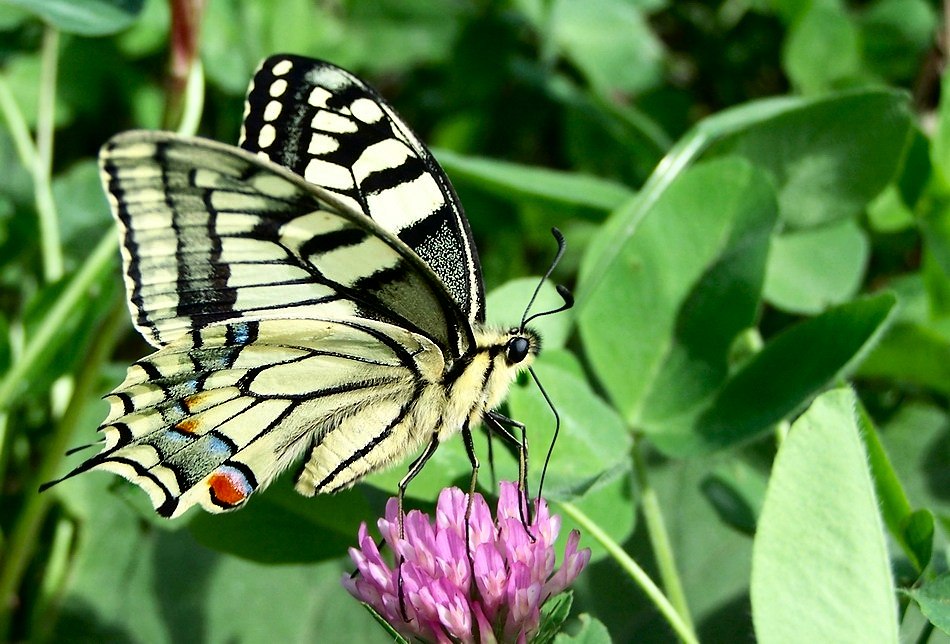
(557, 429)
(562, 291)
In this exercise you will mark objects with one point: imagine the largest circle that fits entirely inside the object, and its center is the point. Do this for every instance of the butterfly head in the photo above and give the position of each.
(521, 346)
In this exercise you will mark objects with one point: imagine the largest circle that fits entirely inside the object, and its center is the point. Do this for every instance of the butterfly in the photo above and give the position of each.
(314, 294)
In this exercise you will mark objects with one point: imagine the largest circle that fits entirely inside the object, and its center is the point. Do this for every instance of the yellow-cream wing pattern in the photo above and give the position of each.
(219, 413)
(211, 233)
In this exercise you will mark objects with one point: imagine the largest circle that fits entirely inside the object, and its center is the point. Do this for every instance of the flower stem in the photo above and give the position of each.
(100, 261)
(43, 162)
(683, 629)
(23, 538)
(193, 101)
(16, 124)
(660, 539)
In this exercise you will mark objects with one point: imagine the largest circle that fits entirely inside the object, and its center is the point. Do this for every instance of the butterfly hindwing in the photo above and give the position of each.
(211, 233)
(219, 413)
(329, 127)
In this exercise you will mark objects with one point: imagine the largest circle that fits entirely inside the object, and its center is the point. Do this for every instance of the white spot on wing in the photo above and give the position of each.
(297, 231)
(281, 68)
(266, 136)
(331, 175)
(329, 122)
(322, 144)
(332, 79)
(386, 154)
(366, 110)
(272, 110)
(318, 97)
(278, 87)
(406, 203)
(274, 186)
(250, 274)
(238, 249)
(348, 264)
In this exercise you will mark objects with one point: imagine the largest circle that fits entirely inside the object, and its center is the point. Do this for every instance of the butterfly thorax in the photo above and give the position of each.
(480, 381)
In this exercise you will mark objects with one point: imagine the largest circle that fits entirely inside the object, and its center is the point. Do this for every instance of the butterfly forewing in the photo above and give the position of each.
(211, 234)
(218, 413)
(331, 128)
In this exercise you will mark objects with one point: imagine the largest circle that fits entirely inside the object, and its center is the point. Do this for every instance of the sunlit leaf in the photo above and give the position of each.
(85, 17)
(820, 550)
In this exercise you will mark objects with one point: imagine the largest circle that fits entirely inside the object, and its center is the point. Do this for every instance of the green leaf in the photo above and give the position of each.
(822, 49)
(916, 441)
(658, 326)
(83, 209)
(790, 369)
(85, 17)
(625, 220)
(935, 268)
(21, 74)
(917, 531)
(149, 34)
(287, 515)
(916, 348)
(911, 354)
(506, 304)
(810, 270)
(934, 601)
(820, 569)
(609, 41)
(822, 170)
(591, 631)
(940, 145)
(736, 491)
(593, 441)
(910, 529)
(513, 181)
(712, 557)
(64, 351)
(888, 213)
(6, 354)
(611, 504)
(895, 35)
(554, 613)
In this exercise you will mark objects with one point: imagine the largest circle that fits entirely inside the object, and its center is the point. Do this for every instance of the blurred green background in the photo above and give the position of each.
(756, 199)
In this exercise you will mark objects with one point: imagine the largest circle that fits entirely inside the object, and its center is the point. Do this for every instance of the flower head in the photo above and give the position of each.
(490, 591)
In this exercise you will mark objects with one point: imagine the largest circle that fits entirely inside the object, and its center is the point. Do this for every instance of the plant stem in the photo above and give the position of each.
(100, 261)
(682, 627)
(43, 161)
(660, 539)
(16, 124)
(193, 100)
(23, 538)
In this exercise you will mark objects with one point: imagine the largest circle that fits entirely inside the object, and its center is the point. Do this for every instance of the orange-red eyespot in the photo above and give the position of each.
(229, 487)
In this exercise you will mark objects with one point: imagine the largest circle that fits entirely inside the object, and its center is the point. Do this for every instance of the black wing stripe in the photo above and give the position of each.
(335, 131)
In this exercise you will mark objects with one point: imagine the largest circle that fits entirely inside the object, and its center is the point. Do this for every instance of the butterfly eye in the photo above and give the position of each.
(516, 350)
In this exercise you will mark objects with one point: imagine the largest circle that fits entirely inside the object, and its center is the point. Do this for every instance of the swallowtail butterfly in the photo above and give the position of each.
(314, 293)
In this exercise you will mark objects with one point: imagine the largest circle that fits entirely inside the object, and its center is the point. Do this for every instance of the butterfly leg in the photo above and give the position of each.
(500, 424)
(413, 472)
(473, 459)
(491, 454)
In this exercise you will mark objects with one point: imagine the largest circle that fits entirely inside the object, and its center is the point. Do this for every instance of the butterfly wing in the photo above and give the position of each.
(219, 413)
(331, 128)
(211, 233)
